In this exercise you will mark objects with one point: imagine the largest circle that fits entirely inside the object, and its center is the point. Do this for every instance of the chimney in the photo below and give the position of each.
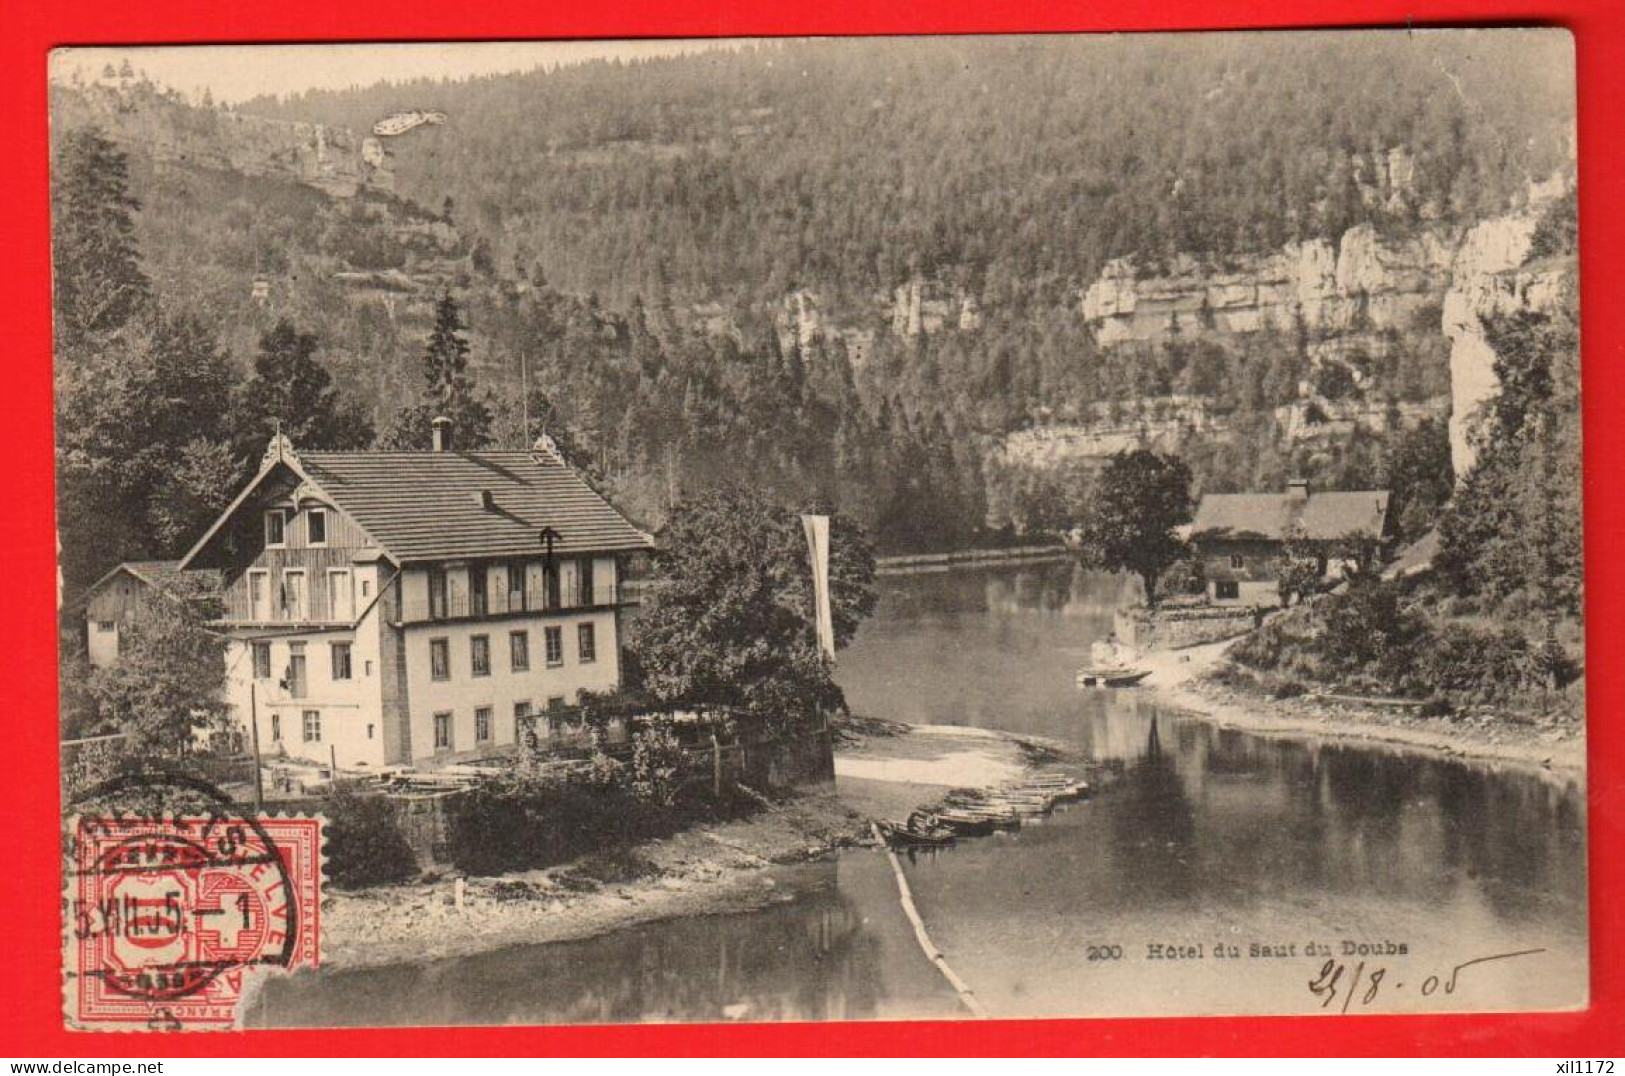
(485, 499)
(1298, 489)
(442, 433)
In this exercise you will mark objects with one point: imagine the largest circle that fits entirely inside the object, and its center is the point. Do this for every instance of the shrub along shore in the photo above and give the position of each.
(524, 883)
(1198, 681)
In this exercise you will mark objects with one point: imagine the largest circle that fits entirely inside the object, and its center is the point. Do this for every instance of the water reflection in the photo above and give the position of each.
(1199, 826)
(1197, 834)
(809, 958)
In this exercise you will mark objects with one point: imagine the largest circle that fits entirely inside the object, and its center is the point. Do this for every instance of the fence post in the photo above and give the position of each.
(716, 766)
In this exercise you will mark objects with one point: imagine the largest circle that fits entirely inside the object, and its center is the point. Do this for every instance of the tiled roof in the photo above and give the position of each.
(427, 505)
(1319, 516)
(154, 573)
(158, 573)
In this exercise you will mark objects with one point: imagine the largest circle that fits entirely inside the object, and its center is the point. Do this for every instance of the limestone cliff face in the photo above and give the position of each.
(1489, 279)
(1363, 282)
(1364, 292)
(169, 131)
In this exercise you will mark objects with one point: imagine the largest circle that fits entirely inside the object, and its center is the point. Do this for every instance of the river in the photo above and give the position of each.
(1233, 856)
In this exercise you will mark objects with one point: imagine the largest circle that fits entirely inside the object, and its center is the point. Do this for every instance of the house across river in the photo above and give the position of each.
(1244, 538)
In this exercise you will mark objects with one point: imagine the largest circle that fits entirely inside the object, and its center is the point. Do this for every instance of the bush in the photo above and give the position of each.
(515, 822)
(1288, 689)
(365, 845)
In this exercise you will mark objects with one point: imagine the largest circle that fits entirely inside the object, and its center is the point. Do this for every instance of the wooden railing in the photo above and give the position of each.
(501, 602)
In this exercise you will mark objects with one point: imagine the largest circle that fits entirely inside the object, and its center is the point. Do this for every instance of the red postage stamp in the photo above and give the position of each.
(167, 918)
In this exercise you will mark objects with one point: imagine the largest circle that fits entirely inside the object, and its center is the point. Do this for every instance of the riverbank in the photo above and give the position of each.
(1180, 681)
(910, 563)
(883, 770)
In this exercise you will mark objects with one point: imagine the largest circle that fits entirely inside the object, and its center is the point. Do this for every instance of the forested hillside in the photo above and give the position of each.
(843, 270)
(1014, 166)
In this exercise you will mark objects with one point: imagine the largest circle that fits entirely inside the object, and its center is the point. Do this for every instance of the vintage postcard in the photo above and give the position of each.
(846, 529)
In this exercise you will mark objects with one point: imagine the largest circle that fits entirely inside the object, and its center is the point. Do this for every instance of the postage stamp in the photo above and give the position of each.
(166, 917)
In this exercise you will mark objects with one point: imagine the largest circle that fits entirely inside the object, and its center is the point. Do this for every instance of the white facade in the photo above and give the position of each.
(386, 712)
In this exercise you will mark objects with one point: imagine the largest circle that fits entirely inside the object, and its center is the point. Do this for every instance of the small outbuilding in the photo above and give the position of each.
(114, 600)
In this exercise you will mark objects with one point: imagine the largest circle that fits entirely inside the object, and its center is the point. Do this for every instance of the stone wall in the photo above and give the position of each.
(1177, 627)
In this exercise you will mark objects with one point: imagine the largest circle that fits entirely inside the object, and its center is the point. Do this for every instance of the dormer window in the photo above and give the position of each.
(316, 526)
(276, 524)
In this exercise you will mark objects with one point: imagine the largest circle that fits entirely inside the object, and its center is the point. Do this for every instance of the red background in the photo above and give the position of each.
(30, 894)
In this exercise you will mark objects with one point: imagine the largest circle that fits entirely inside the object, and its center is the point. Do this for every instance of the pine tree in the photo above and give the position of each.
(98, 285)
(292, 392)
(448, 391)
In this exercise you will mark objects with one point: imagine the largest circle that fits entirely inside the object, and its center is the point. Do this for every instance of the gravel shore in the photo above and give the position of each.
(884, 771)
(1179, 682)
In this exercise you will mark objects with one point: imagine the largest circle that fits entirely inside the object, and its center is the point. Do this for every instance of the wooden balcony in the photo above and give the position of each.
(502, 603)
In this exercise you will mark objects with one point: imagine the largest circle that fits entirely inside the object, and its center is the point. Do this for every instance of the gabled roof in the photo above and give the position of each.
(154, 573)
(1318, 516)
(421, 506)
(427, 506)
(157, 573)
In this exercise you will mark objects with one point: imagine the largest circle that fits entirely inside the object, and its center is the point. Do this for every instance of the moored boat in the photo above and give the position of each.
(966, 823)
(1111, 676)
(902, 836)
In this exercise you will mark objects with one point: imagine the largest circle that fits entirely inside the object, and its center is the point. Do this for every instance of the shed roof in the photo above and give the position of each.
(1318, 516)
(154, 573)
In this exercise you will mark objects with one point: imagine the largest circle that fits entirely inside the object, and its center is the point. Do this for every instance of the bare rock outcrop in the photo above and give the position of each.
(1490, 279)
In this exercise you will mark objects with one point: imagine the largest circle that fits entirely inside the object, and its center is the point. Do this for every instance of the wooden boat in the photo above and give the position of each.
(995, 817)
(1062, 788)
(966, 823)
(1025, 806)
(901, 836)
(1111, 676)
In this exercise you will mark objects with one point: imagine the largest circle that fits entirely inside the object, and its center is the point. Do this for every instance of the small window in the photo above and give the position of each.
(479, 653)
(312, 726)
(437, 594)
(555, 704)
(554, 639)
(1237, 562)
(276, 728)
(550, 586)
(584, 571)
(586, 643)
(478, 590)
(482, 724)
(293, 594)
(262, 661)
(341, 661)
(366, 588)
(442, 732)
(340, 598)
(521, 712)
(366, 668)
(516, 587)
(106, 625)
(439, 659)
(276, 522)
(370, 729)
(257, 582)
(295, 684)
(519, 650)
(316, 526)
(1226, 590)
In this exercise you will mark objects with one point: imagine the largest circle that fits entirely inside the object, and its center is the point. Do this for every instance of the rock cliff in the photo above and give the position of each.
(1363, 283)
(1490, 278)
(1366, 292)
(172, 132)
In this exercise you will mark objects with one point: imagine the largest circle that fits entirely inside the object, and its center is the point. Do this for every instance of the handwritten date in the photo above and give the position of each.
(1335, 983)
